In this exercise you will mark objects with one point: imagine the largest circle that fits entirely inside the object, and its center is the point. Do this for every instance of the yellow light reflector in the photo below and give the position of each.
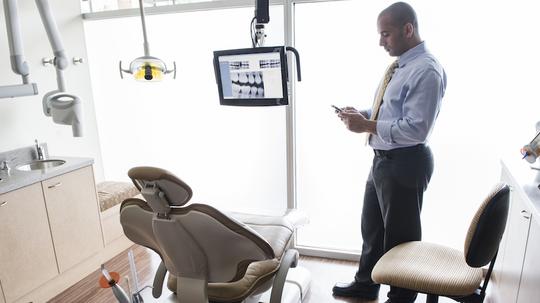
(148, 69)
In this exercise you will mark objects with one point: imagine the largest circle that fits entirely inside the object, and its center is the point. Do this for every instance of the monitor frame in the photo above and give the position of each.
(284, 100)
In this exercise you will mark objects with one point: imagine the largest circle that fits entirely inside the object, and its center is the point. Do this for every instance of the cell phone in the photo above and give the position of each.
(338, 110)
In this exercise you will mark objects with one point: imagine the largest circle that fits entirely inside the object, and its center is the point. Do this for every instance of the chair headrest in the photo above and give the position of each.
(177, 193)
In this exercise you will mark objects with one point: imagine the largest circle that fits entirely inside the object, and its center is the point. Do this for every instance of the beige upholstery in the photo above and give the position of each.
(208, 254)
(428, 268)
(254, 277)
(438, 270)
(276, 230)
(111, 193)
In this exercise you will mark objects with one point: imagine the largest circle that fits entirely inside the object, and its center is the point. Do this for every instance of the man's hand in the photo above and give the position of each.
(356, 122)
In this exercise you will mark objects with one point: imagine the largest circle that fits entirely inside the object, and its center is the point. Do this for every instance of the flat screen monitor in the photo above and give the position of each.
(252, 76)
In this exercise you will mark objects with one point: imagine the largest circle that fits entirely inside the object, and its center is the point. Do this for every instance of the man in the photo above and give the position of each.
(398, 127)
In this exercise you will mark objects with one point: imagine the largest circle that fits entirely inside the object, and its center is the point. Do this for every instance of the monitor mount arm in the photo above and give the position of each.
(262, 17)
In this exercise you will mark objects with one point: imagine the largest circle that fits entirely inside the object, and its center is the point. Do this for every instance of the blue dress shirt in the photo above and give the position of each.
(411, 101)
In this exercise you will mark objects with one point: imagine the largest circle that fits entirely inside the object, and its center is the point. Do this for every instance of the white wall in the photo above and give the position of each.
(233, 157)
(22, 119)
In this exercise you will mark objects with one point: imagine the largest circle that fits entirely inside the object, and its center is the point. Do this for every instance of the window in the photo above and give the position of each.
(488, 112)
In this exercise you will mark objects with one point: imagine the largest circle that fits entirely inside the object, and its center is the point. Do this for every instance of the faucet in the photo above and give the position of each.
(39, 151)
(5, 166)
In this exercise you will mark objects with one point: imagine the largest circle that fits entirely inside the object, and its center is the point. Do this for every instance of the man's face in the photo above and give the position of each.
(392, 37)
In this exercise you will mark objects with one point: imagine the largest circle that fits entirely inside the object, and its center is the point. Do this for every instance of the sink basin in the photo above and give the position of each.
(40, 165)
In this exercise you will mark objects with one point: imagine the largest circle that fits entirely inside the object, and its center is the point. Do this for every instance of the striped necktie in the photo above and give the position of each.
(380, 94)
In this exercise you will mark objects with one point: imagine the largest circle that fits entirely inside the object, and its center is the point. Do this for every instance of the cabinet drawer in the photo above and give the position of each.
(73, 215)
(26, 252)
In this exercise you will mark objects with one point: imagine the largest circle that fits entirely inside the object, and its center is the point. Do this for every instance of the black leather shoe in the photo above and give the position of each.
(357, 290)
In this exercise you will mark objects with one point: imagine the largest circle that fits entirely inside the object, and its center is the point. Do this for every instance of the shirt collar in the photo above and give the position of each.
(412, 53)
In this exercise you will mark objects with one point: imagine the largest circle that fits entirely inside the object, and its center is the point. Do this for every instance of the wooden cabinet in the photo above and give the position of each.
(73, 216)
(529, 288)
(27, 257)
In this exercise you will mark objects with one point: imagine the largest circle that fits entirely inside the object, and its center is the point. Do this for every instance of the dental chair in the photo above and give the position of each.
(210, 256)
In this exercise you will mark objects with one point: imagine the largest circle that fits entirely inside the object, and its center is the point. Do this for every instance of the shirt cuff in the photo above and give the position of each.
(384, 131)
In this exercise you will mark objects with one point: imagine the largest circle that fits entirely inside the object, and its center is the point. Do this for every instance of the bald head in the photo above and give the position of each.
(398, 28)
(401, 13)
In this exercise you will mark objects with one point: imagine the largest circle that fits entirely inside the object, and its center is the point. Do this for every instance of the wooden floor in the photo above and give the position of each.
(325, 272)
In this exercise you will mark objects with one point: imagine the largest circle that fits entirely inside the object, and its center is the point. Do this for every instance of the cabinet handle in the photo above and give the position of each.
(525, 214)
(55, 185)
(3, 203)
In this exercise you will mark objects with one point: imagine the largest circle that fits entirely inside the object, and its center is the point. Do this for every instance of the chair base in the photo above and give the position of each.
(476, 297)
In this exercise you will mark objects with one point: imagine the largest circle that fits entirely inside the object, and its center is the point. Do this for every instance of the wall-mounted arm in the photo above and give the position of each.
(297, 57)
(262, 17)
(64, 108)
(60, 59)
(18, 64)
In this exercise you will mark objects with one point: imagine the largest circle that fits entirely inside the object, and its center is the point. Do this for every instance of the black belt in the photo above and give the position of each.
(397, 151)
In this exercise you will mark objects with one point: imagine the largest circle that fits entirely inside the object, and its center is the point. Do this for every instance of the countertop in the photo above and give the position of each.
(18, 179)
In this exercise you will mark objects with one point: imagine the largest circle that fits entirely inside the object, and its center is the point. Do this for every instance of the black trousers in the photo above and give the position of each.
(391, 211)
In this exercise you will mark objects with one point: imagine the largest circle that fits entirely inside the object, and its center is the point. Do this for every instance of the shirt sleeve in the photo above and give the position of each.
(420, 108)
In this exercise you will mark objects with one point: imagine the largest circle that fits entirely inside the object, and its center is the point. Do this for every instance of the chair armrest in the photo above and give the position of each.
(157, 288)
(296, 217)
(289, 259)
(292, 218)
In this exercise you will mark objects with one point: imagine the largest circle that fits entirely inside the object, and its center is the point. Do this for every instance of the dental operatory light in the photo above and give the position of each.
(147, 68)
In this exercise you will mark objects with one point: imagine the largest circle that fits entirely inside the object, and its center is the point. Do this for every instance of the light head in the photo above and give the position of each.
(148, 69)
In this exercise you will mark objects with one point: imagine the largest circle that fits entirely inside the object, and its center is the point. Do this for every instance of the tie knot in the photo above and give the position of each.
(390, 70)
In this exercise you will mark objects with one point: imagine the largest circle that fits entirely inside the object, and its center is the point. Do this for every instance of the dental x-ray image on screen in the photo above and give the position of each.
(252, 77)
(247, 85)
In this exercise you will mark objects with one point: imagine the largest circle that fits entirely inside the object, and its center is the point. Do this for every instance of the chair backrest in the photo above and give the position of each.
(194, 241)
(487, 227)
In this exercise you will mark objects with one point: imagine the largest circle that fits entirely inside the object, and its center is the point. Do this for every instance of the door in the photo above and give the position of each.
(26, 251)
(74, 217)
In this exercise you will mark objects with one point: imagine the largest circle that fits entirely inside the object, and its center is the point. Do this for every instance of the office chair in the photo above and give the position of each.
(210, 256)
(437, 270)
